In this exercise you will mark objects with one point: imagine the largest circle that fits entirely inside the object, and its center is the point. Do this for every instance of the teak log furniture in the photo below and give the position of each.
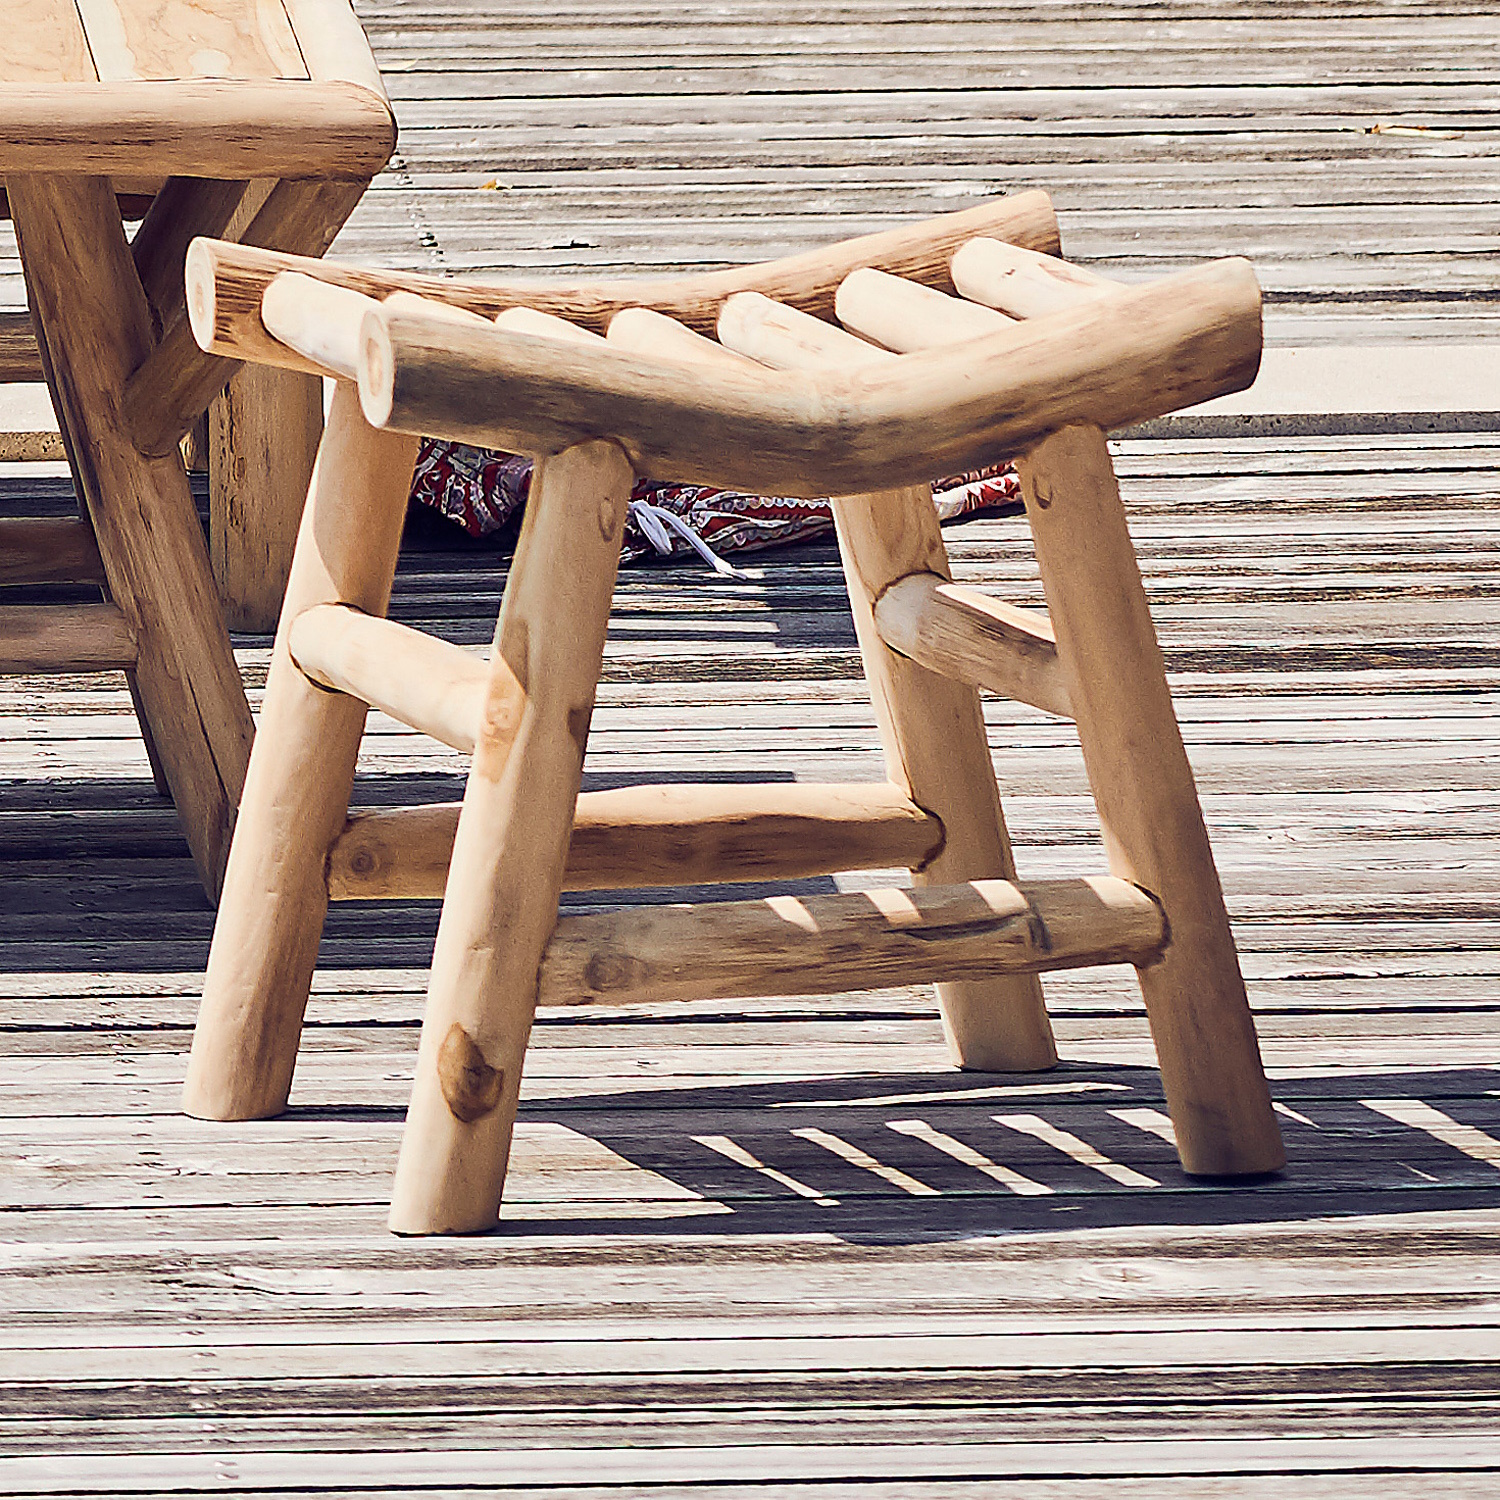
(263, 120)
(854, 371)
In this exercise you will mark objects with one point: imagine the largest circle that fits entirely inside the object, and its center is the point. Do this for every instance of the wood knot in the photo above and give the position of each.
(609, 518)
(470, 1085)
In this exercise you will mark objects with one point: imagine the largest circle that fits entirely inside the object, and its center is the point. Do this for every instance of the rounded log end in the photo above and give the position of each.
(377, 370)
(200, 288)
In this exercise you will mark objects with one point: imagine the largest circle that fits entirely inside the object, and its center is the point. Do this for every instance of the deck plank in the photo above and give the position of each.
(204, 1308)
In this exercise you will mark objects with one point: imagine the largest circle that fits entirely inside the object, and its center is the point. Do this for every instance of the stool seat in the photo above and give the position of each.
(860, 372)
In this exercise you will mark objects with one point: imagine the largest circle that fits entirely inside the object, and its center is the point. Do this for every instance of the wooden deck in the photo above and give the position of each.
(720, 1269)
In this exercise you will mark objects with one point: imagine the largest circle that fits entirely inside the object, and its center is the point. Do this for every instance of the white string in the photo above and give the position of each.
(654, 522)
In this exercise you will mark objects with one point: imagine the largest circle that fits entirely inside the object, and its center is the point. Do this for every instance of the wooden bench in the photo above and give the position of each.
(259, 120)
(859, 371)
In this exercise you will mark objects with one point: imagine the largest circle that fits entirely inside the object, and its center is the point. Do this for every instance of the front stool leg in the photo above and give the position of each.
(297, 787)
(506, 872)
(1148, 804)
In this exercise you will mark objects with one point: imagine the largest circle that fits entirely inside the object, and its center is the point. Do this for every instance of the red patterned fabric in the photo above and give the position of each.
(482, 491)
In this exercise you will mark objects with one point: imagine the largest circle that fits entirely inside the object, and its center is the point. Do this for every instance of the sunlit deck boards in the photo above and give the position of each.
(773, 1230)
(198, 1307)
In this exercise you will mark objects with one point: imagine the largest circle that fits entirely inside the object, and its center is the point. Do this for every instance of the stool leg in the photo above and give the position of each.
(936, 750)
(297, 788)
(511, 845)
(1148, 805)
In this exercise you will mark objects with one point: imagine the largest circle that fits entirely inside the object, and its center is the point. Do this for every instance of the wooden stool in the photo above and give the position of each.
(1035, 357)
(260, 119)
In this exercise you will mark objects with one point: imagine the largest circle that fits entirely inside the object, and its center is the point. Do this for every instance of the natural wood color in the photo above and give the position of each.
(932, 732)
(184, 209)
(178, 380)
(19, 360)
(320, 322)
(668, 835)
(411, 302)
(1021, 282)
(64, 638)
(1112, 362)
(333, 44)
(263, 434)
(222, 39)
(974, 638)
(785, 338)
(48, 551)
(931, 727)
(904, 315)
(812, 945)
(643, 331)
(1148, 805)
(421, 681)
(226, 280)
(44, 43)
(511, 846)
(538, 324)
(297, 791)
(196, 128)
(97, 328)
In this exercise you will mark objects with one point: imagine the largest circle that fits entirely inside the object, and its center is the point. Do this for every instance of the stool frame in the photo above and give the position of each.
(1035, 357)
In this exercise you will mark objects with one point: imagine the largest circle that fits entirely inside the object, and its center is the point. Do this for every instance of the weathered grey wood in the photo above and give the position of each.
(1344, 749)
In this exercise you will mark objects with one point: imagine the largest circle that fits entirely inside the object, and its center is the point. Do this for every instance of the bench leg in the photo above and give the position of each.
(95, 328)
(1148, 805)
(936, 750)
(297, 791)
(263, 432)
(512, 841)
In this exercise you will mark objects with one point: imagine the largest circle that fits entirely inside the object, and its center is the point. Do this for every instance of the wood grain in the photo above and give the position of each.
(297, 789)
(197, 128)
(45, 43)
(818, 944)
(141, 39)
(668, 835)
(510, 847)
(945, 410)
(97, 329)
(65, 638)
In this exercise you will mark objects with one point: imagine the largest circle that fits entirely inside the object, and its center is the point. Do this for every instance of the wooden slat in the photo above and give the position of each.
(48, 551)
(426, 683)
(975, 638)
(64, 638)
(790, 945)
(670, 835)
(195, 39)
(228, 281)
(44, 43)
(1118, 360)
(196, 128)
(333, 45)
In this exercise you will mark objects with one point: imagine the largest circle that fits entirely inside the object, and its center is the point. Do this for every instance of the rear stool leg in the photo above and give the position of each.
(297, 787)
(936, 750)
(511, 845)
(1148, 805)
